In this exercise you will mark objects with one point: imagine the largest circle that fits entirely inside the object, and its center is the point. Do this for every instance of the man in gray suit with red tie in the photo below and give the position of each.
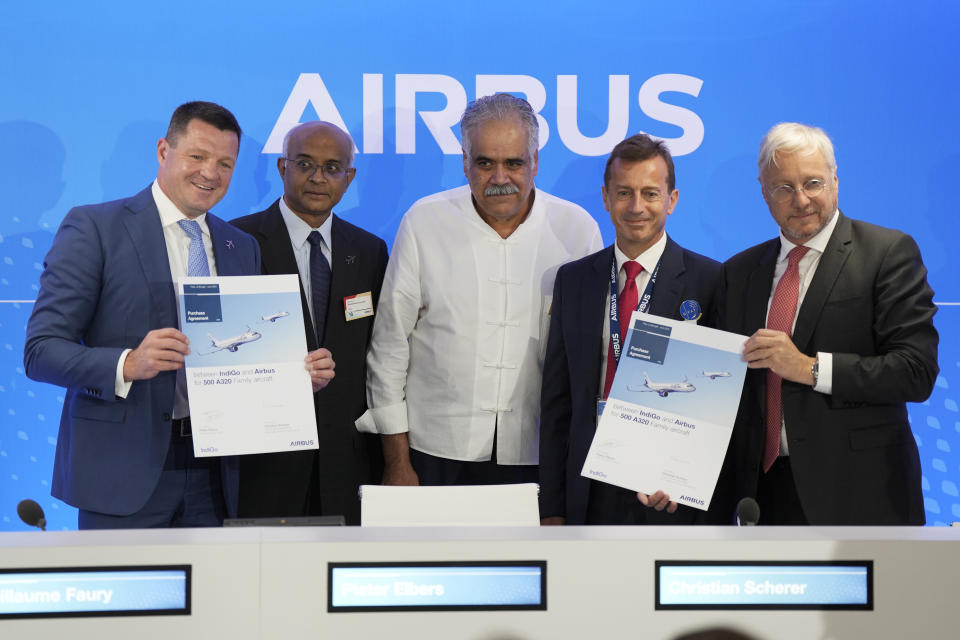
(341, 269)
(840, 319)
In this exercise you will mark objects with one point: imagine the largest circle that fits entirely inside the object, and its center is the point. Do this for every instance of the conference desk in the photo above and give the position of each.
(252, 583)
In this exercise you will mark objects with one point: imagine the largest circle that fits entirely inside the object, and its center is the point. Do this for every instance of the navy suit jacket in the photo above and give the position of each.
(571, 368)
(276, 485)
(105, 285)
(853, 456)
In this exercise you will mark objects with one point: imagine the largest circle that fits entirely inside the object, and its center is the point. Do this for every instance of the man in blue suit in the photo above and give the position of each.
(104, 327)
(639, 193)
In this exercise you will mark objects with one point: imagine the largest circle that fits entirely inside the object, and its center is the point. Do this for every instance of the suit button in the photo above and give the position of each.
(166, 417)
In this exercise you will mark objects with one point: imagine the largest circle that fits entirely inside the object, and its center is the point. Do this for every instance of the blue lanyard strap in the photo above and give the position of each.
(642, 305)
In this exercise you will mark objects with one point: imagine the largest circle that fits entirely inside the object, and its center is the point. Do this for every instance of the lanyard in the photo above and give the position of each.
(642, 305)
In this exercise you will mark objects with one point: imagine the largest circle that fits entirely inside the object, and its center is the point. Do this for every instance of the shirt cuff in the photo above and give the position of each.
(825, 373)
(121, 387)
(386, 421)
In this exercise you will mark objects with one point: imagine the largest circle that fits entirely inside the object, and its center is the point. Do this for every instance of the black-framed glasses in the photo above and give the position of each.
(331, 170)
(810, 188)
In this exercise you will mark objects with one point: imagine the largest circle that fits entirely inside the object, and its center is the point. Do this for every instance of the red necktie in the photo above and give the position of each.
(626, 303)
(783, 308)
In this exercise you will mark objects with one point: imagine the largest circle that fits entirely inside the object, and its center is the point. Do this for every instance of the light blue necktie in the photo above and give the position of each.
(197, 264)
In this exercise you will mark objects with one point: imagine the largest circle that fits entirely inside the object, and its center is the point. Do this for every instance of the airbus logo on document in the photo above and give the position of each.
(559, 95)
(301, 443)
(690, 500)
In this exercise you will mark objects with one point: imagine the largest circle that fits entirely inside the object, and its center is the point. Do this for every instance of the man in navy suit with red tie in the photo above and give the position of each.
(645, 270)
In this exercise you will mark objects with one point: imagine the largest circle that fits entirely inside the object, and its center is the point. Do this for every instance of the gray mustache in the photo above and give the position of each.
(501, 190)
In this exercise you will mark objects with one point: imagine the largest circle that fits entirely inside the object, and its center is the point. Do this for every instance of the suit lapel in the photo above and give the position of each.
(343, 274)
(593, 308)
(828, 270)
(669, 285)
(221, 237)
(759, 287)
(146, 235)
(275, 248)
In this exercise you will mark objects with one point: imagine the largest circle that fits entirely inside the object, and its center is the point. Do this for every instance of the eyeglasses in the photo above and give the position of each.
(810, 188)
(626, 195)
(331, 170)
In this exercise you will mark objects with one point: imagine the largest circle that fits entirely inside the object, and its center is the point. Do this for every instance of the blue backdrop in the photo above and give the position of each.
(88, 90)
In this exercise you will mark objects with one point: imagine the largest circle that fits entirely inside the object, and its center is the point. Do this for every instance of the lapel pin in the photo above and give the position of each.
(229, 244)
(690, 311)
(351, 259)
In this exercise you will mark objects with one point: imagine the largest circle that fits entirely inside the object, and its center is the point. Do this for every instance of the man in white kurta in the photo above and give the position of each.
(454, 367)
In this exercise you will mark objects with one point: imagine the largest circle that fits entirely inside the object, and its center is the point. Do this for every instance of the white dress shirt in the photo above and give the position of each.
(461, 328)
(178, 252)
(648, 260)
(298, 231)
(806, 268)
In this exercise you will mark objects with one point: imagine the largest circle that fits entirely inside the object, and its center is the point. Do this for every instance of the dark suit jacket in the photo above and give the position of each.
(105, 285)
(278, 484)
(853, 455)
(571, 369)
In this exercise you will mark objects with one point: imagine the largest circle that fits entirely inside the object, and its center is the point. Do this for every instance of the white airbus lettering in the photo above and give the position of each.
(310, 92)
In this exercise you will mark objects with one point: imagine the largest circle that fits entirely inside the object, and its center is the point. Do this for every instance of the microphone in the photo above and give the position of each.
(748, 512)
(32, 514)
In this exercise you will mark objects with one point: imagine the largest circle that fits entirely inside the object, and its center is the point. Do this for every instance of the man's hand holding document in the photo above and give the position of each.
(667, 422)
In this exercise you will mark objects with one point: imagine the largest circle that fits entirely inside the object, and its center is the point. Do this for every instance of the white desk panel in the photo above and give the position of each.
(264, 583)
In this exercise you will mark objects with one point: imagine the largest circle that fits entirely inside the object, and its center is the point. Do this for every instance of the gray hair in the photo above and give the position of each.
(499, 106)
(793, 137)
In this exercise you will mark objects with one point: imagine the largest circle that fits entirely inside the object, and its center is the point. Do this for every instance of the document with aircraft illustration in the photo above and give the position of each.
(667, 422)
(246, 383)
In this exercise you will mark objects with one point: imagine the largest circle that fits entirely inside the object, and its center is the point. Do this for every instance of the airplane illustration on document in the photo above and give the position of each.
(274, 316)
(662, 389)
(713, 375)
(232, 344)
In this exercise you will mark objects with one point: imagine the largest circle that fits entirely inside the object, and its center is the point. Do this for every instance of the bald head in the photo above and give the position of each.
(306, 129)
(317, 168)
